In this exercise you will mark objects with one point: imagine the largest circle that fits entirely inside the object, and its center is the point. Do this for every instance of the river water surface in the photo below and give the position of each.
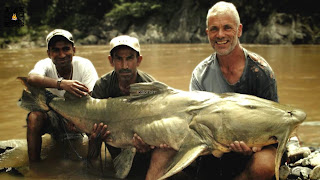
(296, 69)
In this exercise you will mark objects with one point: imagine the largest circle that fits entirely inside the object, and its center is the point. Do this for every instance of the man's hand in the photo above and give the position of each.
(75, 87)
(99, 132)
(241, 147)
(142, 147)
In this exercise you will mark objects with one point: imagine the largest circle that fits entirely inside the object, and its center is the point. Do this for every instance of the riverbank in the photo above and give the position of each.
(152, 22)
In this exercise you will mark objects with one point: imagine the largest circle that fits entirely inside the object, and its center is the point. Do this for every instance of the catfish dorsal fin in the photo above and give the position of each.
(143, 90)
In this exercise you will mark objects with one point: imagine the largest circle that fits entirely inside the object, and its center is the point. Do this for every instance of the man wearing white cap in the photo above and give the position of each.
(125, 57)
(60, 72)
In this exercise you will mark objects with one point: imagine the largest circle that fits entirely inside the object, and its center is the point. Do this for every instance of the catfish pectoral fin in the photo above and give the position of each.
(184, 157)
(123, 162)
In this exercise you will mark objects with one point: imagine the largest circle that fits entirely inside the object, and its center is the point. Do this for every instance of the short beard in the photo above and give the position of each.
(125, 79)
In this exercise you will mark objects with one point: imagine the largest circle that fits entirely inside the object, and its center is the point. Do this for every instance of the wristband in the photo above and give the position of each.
(58, 84)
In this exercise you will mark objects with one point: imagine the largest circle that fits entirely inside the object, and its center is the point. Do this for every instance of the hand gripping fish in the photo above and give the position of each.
(193, 123)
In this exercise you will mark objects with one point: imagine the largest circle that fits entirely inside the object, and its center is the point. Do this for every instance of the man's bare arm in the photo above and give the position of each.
(75, 87)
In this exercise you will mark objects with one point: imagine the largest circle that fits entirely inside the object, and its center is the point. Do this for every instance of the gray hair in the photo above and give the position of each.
(224, 7)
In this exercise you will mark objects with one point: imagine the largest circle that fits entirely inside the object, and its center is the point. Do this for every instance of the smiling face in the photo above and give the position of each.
(223, 31)
(61, 53)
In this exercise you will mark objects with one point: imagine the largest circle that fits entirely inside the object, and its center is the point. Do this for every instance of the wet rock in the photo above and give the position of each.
(312, 160)
(295, 152)
(284, 172)
(284, 28)
(301, 167)
(302, 172)
(154, 33)
(91, 39)
(315, 173)
(315, 159)
(76, 34)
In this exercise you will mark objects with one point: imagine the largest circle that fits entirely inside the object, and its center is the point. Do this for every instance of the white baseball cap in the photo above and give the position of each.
(125, 40)
(59, 32)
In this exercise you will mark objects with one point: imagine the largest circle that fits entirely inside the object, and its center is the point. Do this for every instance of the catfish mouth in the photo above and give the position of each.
(299, 114)
(273, 138)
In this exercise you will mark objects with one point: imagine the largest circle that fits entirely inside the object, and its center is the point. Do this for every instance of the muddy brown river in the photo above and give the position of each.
(296, 68)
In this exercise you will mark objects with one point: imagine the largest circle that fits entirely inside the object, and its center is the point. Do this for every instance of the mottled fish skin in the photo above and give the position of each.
(193, 123)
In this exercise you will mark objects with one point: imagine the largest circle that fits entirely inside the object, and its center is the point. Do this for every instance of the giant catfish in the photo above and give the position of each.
(193, 123)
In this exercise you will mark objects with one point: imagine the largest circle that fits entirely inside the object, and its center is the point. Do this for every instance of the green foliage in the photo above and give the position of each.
(133, 9)
(58, 11)
(79, 21)
(69, 14)
(14, 32)
(42, 16)
(38, 31)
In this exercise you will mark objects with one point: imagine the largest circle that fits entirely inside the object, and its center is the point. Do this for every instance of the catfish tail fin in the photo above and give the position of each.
(33, 98)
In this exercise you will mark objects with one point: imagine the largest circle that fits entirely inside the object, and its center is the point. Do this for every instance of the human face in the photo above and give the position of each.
(223, 33)
(61, 54)
(125, 62)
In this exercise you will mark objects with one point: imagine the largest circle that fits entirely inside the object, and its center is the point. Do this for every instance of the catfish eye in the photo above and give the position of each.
(290, 113)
